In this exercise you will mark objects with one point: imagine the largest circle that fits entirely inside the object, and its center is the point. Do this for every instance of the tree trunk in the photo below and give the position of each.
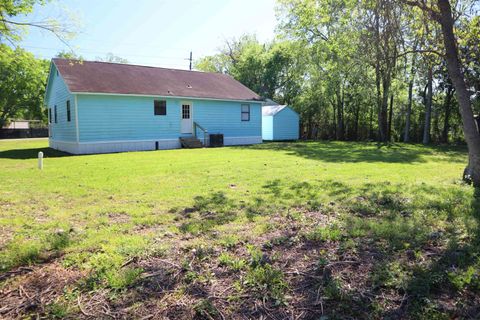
(428, 108)
(454, 67)
(390, 119)
(380, 81)
(357, 119)
(383, 112)
(340, 123)
(334, 121)
(406, 136)
(446, 120)
(370, 125)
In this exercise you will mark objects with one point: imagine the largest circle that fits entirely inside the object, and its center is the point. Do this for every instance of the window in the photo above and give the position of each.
(185, 111)
(245, 112)
(68, 111)
(55, 113)
(49, 115)
(160, 107)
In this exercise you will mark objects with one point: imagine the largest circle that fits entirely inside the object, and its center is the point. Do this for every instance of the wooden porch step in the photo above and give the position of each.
(190, 143)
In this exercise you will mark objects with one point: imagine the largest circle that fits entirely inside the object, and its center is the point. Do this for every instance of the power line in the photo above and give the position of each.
(131, 44)
(103, 53)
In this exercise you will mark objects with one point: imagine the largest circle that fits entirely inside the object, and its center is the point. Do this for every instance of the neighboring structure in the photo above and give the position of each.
(279, 122)
(99, 107)
(18, 124)
(17, 129)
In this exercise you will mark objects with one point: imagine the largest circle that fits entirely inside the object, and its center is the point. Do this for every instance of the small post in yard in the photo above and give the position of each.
(40, 160)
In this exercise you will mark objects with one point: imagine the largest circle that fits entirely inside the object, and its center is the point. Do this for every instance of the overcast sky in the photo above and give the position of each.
(152, 32)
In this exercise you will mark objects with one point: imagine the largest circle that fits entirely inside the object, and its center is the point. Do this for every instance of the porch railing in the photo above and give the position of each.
(204, 131)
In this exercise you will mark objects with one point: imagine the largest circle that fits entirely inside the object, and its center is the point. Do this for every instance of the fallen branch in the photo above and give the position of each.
(81, 308)
(20, 270)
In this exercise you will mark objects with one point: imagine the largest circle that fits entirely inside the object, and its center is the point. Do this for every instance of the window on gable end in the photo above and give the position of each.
(69, 117)
(245, 112)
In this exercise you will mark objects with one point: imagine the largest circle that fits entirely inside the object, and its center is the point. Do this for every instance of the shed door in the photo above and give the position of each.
(186, 126)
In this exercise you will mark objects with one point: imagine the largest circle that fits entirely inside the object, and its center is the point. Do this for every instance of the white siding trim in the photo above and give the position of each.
(113, 146)
(232, 141)
(135, 145)
(127, 141)
(70, 147)
(163, 97)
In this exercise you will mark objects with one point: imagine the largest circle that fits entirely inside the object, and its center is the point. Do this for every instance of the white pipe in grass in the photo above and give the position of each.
(40, 160)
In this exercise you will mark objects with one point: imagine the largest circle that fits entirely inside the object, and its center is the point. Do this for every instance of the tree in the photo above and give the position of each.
(268, 69)
(22, 83)
(110, 57)
(411, 79)
(11, 28)
(341, 64)
(441, 12)
(69, 55)
(330, 35)
(428, 106)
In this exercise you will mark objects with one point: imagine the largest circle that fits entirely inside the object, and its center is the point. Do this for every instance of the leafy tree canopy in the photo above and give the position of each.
(22, 84)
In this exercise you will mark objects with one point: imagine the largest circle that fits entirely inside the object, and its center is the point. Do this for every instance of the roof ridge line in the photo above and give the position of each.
(139, 65)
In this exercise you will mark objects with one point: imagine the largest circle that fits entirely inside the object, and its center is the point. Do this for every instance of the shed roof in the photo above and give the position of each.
(272, 110)
(105, 77)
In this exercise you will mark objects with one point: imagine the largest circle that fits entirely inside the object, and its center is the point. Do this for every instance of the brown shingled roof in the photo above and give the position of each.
(105, 77)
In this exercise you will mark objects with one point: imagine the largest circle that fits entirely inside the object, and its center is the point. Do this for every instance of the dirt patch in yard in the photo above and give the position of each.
(318, 275)
(118, 217)
(35, 290)
(6, 235)
(304, 266)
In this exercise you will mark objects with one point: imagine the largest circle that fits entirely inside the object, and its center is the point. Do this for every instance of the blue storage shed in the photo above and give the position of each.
(279, 122)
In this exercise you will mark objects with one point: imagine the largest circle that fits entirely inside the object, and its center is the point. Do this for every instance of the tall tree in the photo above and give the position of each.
(22, 83)
(441, 12)
(428, 106)
(449, 91)
(272, 70)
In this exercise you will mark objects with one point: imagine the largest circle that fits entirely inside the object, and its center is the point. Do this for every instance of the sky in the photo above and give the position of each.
(150, 32)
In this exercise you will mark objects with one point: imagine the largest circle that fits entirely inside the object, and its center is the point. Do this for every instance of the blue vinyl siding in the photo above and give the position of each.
(225, 117)
(120, 118)
(267, 127)
(58, 95)
(286, 125)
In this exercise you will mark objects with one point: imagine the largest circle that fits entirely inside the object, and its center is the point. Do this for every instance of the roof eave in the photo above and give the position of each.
(164, 96)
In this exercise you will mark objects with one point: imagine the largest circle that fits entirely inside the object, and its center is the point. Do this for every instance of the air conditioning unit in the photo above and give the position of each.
(216, 140)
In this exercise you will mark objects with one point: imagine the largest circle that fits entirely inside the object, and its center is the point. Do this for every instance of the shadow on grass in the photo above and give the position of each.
(334, 151)
(24, 154)
(208, 212)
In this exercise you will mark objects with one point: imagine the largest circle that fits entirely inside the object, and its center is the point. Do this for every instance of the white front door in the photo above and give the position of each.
(186, 126)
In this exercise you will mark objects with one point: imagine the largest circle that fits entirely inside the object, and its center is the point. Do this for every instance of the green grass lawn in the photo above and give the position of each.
(274, 230)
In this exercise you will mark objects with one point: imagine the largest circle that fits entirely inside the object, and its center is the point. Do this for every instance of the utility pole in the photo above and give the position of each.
(191, 60)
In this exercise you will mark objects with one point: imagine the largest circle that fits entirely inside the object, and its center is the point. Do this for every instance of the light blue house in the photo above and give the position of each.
(98, 107)
(279, 122)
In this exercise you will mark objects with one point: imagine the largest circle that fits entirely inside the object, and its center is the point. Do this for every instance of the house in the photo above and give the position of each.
(19, 129)
(100, 107)
(279, 122)
(17, 124)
